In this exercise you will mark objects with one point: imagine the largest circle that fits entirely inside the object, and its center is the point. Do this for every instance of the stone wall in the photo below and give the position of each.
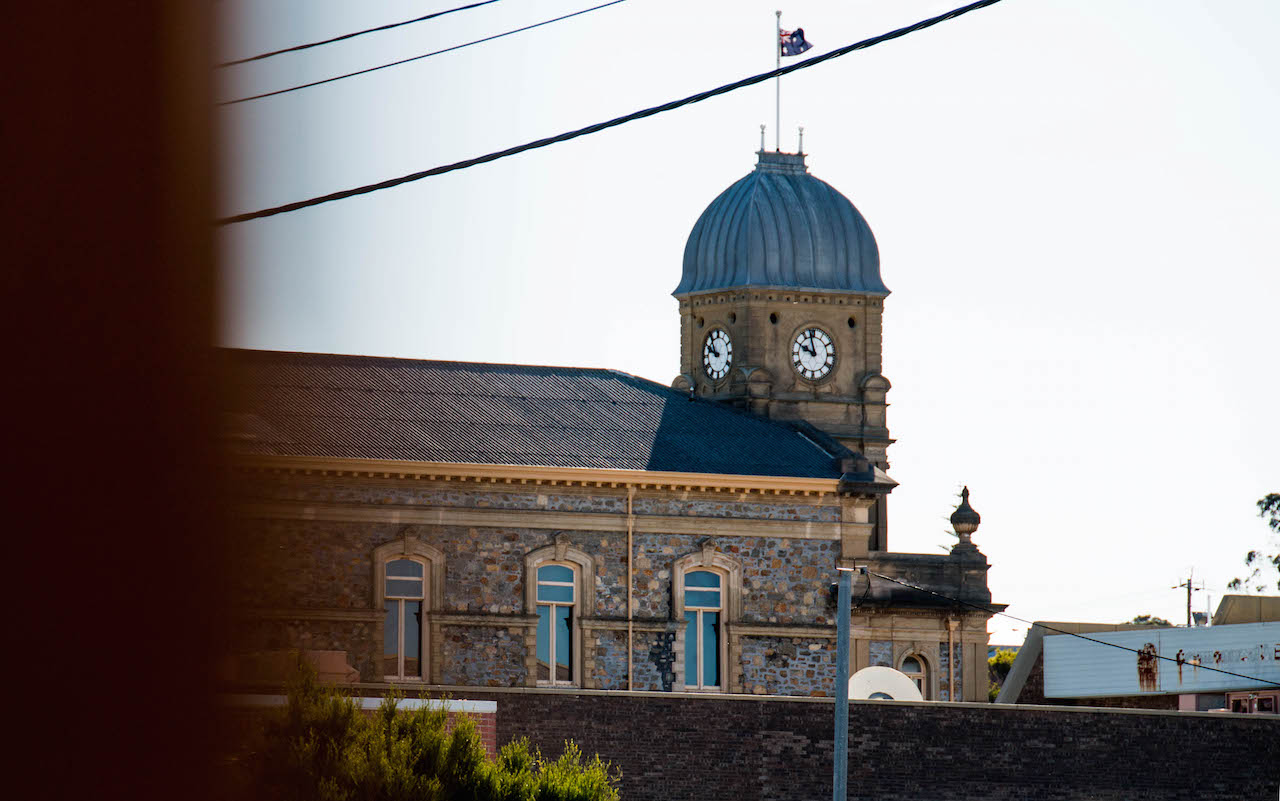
(305, 573)
(483, 656)
(789, 666)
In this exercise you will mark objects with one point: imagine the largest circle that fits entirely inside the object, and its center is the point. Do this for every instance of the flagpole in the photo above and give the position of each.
(777, 100)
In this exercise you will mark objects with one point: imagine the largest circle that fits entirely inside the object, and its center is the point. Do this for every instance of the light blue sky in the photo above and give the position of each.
(1076, 203)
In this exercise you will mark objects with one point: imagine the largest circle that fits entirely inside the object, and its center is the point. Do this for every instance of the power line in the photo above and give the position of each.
(416, 58)
(600, 126)
(1060, 631)
(353, 35)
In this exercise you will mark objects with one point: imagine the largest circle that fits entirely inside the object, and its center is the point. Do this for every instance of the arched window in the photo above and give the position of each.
(408, 584)
(915, 668)
(707, 597)
(703, 614)
(556, 598)
(403, 635)
(560, 590)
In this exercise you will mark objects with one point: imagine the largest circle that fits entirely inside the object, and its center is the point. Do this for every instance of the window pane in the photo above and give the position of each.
(555, 573)
(553, 593)
(391, 640)
(544, 643)
(564, 643)
(412, 638)
(911, 665)
(404, 588)
(404, 567)
(701, 578)
(691, 649)
(702, 598)
(710, 656)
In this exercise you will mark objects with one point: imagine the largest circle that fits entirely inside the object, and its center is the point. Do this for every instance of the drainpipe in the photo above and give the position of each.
(631, 525)
(951, 659)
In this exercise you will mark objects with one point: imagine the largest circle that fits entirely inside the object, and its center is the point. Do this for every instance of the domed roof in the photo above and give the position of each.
(781, 227)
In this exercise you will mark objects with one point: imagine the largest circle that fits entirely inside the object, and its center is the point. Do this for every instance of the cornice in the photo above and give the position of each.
(532, 475)
(400, 514)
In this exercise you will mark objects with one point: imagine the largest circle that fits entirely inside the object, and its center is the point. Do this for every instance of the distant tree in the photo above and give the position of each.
(1260, 577)
(1149, 620)
(998, 667)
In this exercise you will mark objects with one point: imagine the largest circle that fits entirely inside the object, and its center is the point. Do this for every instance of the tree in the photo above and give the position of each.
(1260, 577)
(998, 667)
(1149, 620)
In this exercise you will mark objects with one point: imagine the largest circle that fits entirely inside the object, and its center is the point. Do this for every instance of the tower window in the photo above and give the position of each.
(852, 324)
(700, 322)
(773, 318)
(733, 318)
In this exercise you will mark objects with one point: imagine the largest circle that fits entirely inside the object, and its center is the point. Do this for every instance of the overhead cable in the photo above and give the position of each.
(600, 126)
(353, 35)
(1061, 631)
(416, 58)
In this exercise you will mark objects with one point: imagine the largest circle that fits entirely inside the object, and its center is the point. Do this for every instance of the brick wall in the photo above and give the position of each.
(686, 746)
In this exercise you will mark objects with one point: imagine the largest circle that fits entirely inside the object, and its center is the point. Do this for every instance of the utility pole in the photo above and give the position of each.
(1190, 588)
(840, 766)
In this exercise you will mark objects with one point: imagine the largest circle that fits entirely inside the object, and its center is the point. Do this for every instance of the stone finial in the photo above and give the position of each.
(965, 521)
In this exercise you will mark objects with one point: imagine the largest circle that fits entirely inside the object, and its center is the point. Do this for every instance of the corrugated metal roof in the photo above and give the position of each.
(1193, 661)
(311, 404)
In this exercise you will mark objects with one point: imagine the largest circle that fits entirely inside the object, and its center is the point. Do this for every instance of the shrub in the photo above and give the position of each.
(320, 747)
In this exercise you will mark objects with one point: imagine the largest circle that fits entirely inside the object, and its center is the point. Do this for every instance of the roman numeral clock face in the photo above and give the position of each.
(717, 354)
(813, 354)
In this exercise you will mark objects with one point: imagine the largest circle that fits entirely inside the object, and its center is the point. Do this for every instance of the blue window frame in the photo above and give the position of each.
(703, 608)
(557, 595)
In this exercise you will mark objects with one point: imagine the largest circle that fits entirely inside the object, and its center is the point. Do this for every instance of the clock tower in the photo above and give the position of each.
(781, 308)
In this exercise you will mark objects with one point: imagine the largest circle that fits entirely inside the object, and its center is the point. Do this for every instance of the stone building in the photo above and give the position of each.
(483, 525)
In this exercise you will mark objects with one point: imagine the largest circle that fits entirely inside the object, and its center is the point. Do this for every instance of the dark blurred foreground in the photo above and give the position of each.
(112, 519)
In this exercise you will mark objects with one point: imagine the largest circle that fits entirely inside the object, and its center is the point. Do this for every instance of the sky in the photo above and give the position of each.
(1076, 205)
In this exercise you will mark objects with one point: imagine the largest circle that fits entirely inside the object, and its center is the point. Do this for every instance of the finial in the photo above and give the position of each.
(965, 521)
(800, 149)
(762, 137)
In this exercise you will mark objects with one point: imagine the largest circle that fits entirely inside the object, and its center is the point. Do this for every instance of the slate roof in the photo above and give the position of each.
(310, 404)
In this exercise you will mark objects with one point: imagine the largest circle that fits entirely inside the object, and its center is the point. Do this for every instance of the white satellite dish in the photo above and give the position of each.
(883, 684)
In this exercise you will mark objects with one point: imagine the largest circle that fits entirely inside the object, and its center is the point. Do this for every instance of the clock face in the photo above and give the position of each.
(813, 354)
(717, 354)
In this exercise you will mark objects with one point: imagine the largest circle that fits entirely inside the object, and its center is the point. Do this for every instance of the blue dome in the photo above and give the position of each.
(781, 227)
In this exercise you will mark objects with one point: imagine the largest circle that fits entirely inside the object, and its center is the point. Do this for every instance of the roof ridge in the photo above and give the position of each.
(413, 359)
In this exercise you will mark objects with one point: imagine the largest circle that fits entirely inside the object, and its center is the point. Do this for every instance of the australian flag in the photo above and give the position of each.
(792, 43)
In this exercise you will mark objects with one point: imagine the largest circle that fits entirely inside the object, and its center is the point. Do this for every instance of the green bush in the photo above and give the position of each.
(320, 747)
